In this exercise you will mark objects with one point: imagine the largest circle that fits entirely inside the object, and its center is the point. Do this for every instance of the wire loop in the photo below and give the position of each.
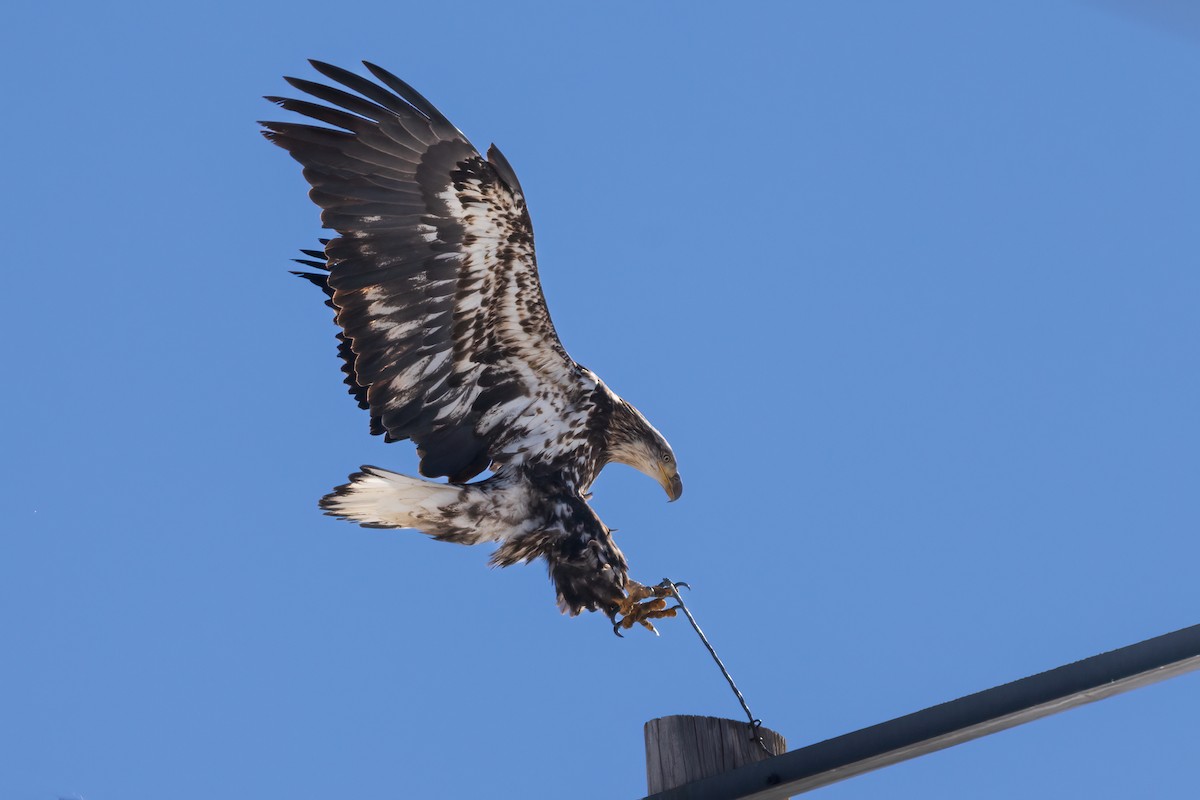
(755, 724)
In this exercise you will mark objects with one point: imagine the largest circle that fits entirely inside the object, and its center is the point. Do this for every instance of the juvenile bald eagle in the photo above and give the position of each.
(446, 340)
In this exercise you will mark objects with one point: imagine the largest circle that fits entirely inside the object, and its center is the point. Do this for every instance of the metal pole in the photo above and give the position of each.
(952, 723)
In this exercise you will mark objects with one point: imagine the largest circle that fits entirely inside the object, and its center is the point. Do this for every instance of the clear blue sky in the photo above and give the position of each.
(912, 288)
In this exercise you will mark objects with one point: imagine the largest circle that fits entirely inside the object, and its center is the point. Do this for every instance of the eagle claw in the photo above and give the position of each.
(640, 605)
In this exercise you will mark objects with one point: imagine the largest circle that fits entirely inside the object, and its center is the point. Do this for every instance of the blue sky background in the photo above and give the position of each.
(912, 288)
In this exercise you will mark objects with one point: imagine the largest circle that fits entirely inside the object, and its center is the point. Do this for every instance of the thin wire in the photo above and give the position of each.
(755, 724)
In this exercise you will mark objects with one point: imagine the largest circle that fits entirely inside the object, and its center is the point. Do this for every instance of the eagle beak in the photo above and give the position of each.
(673, 485)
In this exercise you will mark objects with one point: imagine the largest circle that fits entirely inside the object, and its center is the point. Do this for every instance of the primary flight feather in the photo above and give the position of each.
(446, 340)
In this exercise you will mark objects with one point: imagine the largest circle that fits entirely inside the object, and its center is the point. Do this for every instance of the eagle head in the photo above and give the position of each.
(634, 441)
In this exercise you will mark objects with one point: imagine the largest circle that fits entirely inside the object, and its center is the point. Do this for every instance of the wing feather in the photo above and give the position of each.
(445, 332)
(321, 279)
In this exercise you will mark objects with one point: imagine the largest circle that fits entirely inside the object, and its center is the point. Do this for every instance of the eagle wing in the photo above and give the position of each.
(432, 276)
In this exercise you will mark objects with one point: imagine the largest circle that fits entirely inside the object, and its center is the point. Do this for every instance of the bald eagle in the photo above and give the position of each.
(446, 340)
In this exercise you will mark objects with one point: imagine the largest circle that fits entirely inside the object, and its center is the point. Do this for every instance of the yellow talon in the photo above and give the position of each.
(640, 605)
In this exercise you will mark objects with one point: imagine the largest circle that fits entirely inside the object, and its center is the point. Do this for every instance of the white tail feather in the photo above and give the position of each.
(379, 498)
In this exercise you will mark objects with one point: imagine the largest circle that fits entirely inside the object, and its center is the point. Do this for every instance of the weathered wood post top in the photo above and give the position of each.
(683, 748)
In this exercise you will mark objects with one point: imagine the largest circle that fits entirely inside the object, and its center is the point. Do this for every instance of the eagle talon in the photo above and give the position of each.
(642, 604)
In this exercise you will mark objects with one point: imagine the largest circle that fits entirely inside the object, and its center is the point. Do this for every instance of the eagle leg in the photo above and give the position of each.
(640, 605)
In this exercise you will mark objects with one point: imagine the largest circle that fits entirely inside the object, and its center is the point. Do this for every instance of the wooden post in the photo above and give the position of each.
(935, 728)
(682, 748)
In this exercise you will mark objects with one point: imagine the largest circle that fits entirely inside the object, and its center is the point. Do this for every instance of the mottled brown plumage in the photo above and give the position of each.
(445, 338)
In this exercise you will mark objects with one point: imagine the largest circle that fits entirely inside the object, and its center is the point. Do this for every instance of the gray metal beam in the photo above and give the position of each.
(952, 723)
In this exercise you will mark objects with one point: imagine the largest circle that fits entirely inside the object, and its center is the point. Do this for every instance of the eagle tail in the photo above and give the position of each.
(377, 498)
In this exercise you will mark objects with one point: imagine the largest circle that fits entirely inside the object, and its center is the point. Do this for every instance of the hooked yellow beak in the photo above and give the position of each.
(671, 483)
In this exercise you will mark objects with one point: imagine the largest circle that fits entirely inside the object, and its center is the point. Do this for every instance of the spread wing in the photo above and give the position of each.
(432, 276)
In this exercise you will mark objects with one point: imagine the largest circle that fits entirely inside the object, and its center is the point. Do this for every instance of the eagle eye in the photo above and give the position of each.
(666, 457)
